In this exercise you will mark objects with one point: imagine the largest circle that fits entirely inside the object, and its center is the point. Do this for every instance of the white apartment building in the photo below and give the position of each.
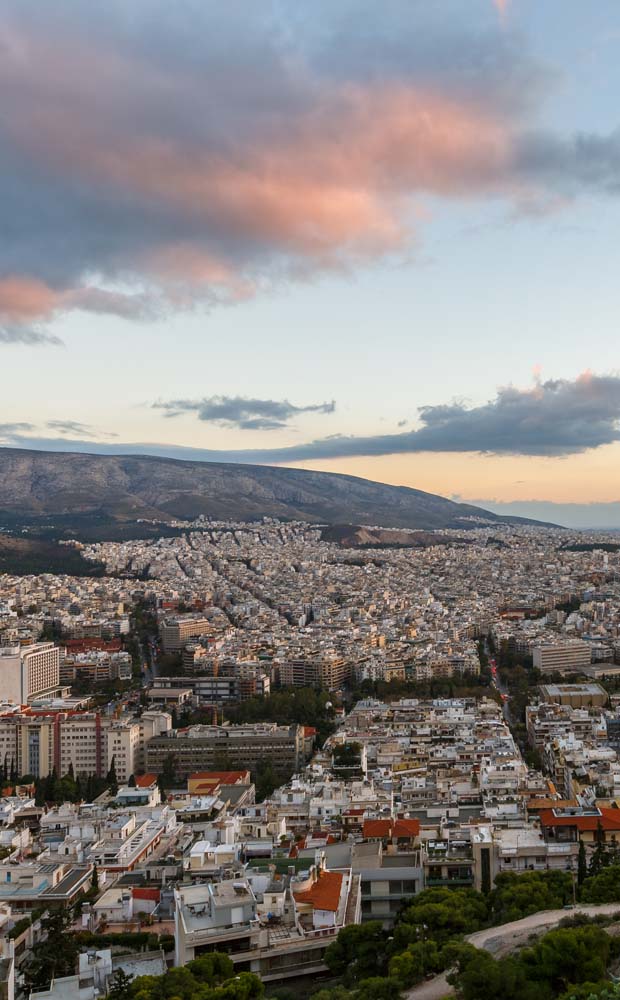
(28, 672)
(85, 743)
(558, 657)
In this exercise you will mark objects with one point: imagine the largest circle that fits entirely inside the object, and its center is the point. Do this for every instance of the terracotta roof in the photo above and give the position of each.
(208, 786)
(551, 803)
(391, 828)
(146, 780)
(309, 731)
(609, 819)
(152, 894)
(325, 893)
(223, 777)
(327, 838)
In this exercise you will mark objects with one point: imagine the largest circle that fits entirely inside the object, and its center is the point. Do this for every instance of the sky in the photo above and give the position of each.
(371, 239)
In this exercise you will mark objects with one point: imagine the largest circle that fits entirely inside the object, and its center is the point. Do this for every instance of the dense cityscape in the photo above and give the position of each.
(249, 740)
(309, 500)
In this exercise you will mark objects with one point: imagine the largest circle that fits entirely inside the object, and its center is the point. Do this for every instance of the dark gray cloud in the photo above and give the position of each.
(25, 434)
(584, 162)
(17, 334)
(70, 427)
(159, 155)
(241, 412)
(554, 418)
(10, 430)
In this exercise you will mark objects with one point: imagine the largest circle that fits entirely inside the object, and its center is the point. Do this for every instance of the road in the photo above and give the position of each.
(502, 940)
(499, 686)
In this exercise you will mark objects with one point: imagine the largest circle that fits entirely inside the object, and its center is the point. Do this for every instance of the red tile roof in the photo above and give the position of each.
(609, 819)
(223, 777)
(390, 828)
(325, 893)
(146, 780)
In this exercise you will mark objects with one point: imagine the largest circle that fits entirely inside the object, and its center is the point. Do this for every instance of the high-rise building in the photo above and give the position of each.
(26, 673)
(175, 632)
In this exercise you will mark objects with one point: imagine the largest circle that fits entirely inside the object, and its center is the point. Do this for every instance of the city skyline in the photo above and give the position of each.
(376, 245)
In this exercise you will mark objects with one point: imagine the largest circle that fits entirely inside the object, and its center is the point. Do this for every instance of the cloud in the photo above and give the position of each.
(554, 418)
(70, 427)
(164, 156)
(32, 337)
(241, 412)
(9, 430)
(24, 434)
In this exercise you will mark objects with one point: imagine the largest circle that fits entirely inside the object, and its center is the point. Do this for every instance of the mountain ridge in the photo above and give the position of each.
(39, 484)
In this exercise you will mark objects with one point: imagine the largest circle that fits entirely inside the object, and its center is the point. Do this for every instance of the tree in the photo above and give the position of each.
(582, 866)
(167, 777)
(337, 993)
(516, 896)
(131, 781)
(480, 977)
(416, 962)
(120, 986)
(597, 861)
(111, 778)
(210, 977)
(94, 879)
(358, 952)
(568, 955)
(56, 955)
(602, 888)
(439, 915)
(377, 988)
(265, 779)
(593, 991)
(212, 968)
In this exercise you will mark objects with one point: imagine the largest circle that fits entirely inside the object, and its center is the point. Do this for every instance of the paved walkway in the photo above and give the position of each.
(502, 940)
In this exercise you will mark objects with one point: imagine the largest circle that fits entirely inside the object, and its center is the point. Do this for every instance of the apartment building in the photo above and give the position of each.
(562, 657)
(28, 672)
(278, 927)
(232, 682)
(85, 742)
(176, 631)
(96, 666)
(233, 747)
(330, 672)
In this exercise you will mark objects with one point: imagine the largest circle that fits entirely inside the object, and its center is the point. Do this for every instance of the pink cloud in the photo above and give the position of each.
(211, 176)
(23, 299)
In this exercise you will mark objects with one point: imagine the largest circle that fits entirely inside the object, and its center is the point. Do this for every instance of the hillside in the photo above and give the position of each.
(355, 536)
(37, 485)
(23, 556)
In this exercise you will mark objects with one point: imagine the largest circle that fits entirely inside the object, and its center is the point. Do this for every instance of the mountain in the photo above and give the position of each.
(36, 485)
